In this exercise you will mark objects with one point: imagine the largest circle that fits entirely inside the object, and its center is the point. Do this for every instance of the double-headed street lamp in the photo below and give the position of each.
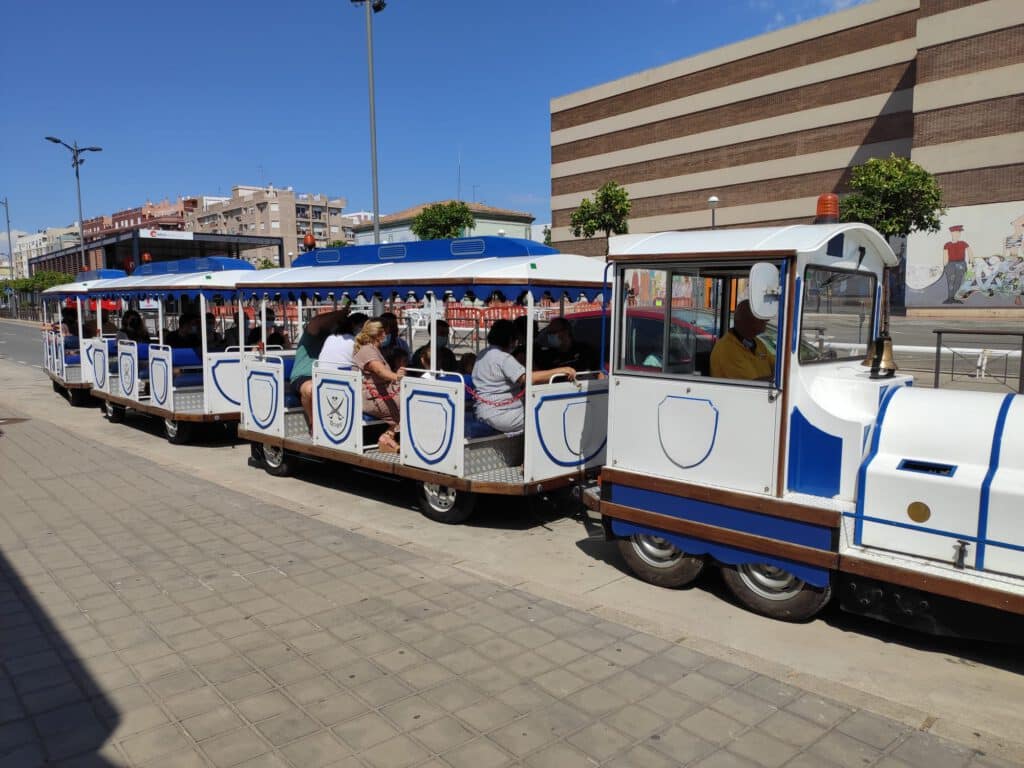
(76, 160)
(372, 7)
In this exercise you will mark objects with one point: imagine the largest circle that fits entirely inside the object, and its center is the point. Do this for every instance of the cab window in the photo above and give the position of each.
(696, 303)
(838, 314)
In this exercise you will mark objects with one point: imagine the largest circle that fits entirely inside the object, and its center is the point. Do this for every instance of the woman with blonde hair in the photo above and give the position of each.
(380, 383)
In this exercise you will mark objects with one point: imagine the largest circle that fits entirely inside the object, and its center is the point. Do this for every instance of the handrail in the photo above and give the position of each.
(940, 332)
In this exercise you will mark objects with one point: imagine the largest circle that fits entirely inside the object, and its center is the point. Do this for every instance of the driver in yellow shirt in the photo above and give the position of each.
(739, 354)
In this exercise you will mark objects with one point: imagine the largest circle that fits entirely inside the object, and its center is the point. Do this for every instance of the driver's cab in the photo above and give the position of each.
(735, 356)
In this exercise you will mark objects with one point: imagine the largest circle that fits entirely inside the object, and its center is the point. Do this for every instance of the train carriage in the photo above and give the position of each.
(819, 474)
(450, 455)
(182, 385)
(66, 359)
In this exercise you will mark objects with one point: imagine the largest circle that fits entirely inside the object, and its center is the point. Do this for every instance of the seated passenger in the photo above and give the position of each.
(340, 345)
(306, 351)
(739, 354)
(466, 364)
(499, 378)
(393, 337)
(562, 348)
(132, 328)
(187, 333)
(214, 341)
(397, 358)
(274, 336)
(445, 357)
(380, 383)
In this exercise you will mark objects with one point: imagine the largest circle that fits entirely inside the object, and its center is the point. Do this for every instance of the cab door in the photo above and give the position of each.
(669, 417)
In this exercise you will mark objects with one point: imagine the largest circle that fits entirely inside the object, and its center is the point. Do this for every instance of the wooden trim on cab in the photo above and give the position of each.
(765, 505)
(713, 255)
(796, 552)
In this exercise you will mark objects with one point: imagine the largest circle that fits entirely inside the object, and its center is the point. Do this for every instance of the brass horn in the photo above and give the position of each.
(880, 358)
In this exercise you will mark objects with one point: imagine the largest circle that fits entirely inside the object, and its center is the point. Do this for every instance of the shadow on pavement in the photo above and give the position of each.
(51, 708)
(961, 651)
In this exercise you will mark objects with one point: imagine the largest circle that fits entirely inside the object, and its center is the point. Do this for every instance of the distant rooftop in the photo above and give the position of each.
(478, 209)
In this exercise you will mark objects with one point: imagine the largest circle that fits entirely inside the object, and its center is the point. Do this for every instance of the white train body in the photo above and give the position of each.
(821, 476)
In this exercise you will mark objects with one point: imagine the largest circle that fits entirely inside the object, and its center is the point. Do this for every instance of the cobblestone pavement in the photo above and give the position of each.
(151, 619)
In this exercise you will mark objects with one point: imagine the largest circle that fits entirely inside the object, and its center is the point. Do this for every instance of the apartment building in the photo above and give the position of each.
(44, 241)
(397, 227)
(769, 123)
(274, 212)
(165, 215)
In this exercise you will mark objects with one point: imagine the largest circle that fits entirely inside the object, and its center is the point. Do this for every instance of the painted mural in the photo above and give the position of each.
(976, 260)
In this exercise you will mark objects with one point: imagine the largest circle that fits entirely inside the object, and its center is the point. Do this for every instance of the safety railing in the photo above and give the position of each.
(984, 361)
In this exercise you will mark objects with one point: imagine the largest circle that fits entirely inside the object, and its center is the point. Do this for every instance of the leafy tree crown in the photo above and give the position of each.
(894, 195)
(443, 221)
(608, 212)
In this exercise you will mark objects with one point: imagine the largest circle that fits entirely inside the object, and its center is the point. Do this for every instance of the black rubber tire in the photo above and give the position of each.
(79, 398)
(672, 574)
(178, 432)
(458, 511)
(803, 604)
(56, 387)
(115, 413)
(276, 461)
(256, 456)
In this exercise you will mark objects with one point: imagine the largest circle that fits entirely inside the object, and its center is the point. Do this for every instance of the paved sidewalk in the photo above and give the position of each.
(151, 619)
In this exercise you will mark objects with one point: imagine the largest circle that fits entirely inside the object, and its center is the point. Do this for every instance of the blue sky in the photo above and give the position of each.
(190, 97)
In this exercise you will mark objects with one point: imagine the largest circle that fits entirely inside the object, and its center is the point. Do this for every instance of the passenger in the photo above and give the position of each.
(397, 358)
(340, 345)
(393, 338)
(740, 354)
(68, 321)
(499, 378)
(562, 348)
(274, 336)
(380, 383)
(214, 341)
(445, 357)
(521, 324)
(314, 335)
(231, 336)
(466, 364)
(187, 333)
(132, 328)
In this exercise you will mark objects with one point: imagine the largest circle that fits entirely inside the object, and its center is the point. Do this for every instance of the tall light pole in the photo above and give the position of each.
(712, 204)
(372, 7)
(76, 160)
(10, 248)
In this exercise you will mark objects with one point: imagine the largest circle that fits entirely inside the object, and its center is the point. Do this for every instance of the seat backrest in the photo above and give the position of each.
(185, 356)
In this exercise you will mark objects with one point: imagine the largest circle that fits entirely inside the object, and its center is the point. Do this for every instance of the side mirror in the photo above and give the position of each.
(764, 291)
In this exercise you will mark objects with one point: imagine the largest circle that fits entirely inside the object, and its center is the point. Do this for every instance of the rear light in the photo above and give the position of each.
(828, 209)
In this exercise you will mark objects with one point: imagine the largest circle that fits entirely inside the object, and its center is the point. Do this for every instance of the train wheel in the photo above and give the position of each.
(115, 412)
(78, 397)
(56, 386)
(178, 432)
(660, 562)
(775, 592)
(444, 504)
(275, 461)
(256, 456)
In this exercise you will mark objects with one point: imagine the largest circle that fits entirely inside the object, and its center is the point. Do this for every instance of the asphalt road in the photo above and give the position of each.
(949, 687)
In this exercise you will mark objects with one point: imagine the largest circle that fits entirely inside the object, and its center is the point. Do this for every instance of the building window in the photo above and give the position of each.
(275, 225)
(334, 230)
(275, 207)
(263, 226)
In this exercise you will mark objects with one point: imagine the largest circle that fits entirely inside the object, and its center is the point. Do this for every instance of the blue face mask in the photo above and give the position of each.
(387, 339)
(442, 342)
(553, 340)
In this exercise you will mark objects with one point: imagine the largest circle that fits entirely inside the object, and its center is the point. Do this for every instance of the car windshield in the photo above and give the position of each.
(837, 316)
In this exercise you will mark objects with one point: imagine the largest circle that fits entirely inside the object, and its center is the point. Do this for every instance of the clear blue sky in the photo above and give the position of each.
(190, 97)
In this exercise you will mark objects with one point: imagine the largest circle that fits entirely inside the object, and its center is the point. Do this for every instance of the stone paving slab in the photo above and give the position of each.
(151, 619)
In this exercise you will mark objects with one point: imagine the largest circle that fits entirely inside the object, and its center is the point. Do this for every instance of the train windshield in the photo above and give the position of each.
(838, 311)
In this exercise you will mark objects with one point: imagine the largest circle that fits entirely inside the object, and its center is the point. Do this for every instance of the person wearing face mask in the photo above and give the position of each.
(187, 334)
(445, 357)
(392, 335)
(562, 349)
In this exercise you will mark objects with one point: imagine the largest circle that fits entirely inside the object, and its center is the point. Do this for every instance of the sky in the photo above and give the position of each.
(192, 98)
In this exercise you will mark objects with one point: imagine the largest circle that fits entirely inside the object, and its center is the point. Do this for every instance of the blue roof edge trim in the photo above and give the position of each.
(99, 274)
(458, 292)
(187, 266)
(483, 247)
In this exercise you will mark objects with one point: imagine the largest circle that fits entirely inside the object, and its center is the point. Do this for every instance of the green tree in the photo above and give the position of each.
(266, 263)
(547, 235)
(608, 213)
(443, 221)
(894, 195)
(338, 244)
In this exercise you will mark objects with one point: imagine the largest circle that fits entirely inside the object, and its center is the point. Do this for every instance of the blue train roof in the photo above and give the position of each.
(484, 247)
(184, 266)
(99, 274)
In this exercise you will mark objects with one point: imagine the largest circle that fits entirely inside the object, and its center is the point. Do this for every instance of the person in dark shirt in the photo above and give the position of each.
(562, 349)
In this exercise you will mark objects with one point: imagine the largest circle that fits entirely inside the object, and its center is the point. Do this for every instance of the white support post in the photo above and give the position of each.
(81, 328)
(529, 349)
(241, 327)
(433, 333)
(202, 323)
(263, 321)
(160, 320)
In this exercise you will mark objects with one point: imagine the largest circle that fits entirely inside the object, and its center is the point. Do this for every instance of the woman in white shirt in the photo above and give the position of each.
(340, 347)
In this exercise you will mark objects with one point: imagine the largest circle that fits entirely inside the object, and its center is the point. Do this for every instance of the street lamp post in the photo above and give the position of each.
(372, 7)
(10, 248)
(76, 160)
(712, 204)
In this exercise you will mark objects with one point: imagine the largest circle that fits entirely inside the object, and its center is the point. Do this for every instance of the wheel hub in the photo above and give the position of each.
(273, 455)
(769, 581)
(656, 551)
(440, 497)
(172, 427)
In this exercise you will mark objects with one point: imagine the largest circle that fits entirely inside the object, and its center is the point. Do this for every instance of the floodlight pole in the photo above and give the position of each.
(10, 248)
(372, 7)
(76, 161)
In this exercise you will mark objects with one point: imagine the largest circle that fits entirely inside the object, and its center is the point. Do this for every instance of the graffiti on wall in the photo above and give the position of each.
(977, 260)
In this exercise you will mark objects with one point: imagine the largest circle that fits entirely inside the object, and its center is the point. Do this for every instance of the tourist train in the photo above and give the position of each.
(819, 477)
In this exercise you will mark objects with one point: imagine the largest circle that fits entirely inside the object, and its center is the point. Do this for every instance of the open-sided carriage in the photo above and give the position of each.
(66, 358)
(182, 385)
(823, 477)
(451, 456)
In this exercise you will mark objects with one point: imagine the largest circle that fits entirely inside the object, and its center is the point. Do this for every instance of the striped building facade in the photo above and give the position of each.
(768, 124)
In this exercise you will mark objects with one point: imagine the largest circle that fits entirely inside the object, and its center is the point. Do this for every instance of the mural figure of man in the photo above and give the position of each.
(955, 254)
